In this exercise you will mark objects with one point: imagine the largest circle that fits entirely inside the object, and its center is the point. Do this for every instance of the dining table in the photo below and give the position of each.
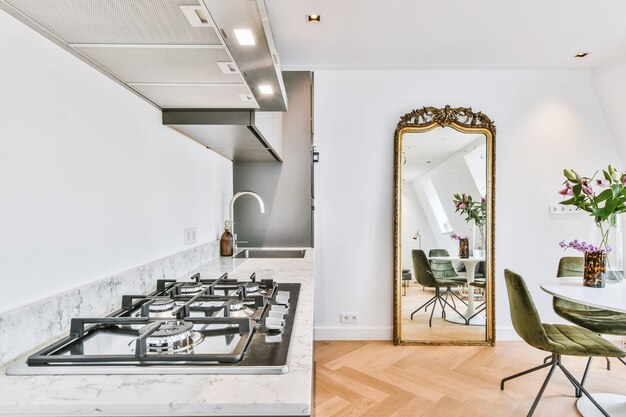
(611, 297)
(470, 312)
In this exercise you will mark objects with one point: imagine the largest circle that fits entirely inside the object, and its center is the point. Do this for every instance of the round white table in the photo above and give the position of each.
(470, 268)
(612, 297)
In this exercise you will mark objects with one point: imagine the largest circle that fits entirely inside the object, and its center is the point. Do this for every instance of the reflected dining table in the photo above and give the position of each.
(612, 297)
(470, 311)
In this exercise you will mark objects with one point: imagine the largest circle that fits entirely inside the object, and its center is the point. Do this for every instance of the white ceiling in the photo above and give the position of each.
(448, 33)
(422, 152)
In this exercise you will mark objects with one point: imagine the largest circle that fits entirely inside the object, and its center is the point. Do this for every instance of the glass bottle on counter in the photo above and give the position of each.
(226, 241)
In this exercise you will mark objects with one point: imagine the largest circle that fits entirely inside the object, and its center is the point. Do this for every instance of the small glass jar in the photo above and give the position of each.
(595, 269)
(464, 248)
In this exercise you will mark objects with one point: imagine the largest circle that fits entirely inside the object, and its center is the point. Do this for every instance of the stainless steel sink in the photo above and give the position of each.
(271, 253)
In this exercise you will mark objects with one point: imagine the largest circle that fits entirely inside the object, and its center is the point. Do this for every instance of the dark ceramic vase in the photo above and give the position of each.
(595, 269)
(464, 248)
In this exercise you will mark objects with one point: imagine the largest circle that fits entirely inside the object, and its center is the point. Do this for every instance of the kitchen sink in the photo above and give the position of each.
(271, 253)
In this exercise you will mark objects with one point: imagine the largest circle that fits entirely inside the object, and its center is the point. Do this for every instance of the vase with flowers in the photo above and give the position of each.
(604, 199)
(463, 245)
(475, 212)
(594, 273)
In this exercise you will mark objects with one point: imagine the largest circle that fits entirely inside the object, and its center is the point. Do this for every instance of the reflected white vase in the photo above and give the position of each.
(615, 260)
(479, 243)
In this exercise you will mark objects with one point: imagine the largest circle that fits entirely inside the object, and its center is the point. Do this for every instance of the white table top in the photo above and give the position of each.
(455, 258)
(612, 297)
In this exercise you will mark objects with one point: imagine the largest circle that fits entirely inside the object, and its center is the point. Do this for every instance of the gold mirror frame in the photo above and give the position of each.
(463, 119)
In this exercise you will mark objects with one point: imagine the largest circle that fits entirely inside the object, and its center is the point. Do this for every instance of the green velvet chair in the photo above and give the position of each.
(425, 277)
(558, 339)
(597, 320)
(444, 269)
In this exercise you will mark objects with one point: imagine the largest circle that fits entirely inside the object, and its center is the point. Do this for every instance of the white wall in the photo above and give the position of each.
(91, 182)
(546, 120)
(417, 220)
(609, 82)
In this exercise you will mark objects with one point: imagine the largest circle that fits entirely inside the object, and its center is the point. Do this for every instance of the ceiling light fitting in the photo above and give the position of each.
(266, 89)
(581, 55)
(244, 37)
(313, 18)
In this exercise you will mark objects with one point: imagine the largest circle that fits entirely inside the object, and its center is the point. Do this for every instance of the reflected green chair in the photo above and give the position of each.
(558, 339)
(425, 277)
(597, 320)
(444, 269)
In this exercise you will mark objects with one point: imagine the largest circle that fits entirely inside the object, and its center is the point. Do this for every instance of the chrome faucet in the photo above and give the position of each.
(232, 213)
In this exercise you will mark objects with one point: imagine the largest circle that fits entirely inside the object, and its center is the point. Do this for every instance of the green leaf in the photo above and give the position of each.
(604, 195)
(607, 176)
(617, 189)
(596, 213)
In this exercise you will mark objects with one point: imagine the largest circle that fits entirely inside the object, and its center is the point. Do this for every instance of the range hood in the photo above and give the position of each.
(239, 135)
(182, 56)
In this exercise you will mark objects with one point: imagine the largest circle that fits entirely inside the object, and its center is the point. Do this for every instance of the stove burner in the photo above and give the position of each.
(236, 305)
(252, 287)
(172, 336)
(190, 287)
(161, 304)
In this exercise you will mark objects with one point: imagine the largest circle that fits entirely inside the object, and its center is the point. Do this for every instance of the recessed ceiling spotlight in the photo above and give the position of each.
(581, 55)
(245, 37)
(266, 89)
(313, 18)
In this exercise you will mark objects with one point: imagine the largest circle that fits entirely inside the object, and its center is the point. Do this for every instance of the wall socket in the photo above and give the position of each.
(349, 318)
(189, 236)
(561, 209)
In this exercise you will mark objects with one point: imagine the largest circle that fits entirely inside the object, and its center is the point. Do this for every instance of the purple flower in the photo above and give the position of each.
(454, 236)
(602, 183)
(583, 246)
(567, 190)
(585, 186)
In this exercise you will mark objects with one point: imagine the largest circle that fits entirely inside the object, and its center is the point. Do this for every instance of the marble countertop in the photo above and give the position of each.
(185, 395)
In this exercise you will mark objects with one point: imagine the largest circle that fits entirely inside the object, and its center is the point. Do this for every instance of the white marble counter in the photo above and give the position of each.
(185, 395)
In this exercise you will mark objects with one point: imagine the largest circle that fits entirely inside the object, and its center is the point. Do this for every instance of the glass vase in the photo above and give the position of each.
(608, 235)
(464, 248)
(479, 244)
(595, 269)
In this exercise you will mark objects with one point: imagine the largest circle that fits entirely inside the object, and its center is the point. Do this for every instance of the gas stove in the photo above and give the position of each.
(200, 326)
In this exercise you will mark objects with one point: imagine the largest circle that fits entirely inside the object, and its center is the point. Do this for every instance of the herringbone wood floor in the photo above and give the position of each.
(377, 379)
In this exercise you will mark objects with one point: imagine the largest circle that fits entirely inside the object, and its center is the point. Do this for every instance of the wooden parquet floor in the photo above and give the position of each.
(377, 379)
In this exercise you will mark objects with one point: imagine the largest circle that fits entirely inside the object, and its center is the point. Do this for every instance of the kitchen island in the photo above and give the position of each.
(288, 394)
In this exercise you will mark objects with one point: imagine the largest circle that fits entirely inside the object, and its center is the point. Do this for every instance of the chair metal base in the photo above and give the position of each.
(443, 302)
(553, 364)
(608, 367)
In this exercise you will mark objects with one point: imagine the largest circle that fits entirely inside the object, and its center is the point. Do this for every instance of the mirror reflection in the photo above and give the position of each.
(443, 235)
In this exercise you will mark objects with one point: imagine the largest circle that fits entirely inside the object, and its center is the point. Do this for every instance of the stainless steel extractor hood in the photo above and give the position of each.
(239, 135)
(172, 53)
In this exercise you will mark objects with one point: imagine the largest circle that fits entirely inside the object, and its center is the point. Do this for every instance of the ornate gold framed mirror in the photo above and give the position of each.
(444, 225)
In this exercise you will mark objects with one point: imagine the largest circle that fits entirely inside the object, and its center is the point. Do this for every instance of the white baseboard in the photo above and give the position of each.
(353, 333)
(385, 333)
(506, 333)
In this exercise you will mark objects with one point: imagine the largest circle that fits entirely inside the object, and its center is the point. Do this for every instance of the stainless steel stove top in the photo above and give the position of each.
(216, 326)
